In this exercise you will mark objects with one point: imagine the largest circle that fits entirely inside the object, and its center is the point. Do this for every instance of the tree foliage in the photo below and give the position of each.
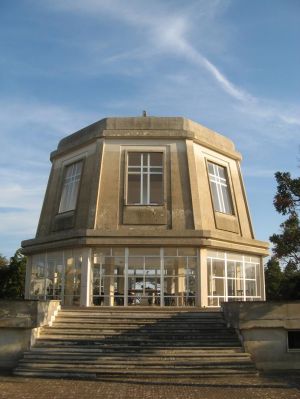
(273, 279)
(3, 261)
(284, 283)
(12, 277)
(287, 202)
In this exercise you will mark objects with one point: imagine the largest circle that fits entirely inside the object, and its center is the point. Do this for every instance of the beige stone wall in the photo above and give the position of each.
(185, 218)
(84, 215)
(264, 327)
(19, 324)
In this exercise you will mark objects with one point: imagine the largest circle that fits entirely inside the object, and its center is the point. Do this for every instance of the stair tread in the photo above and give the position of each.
(92, 342)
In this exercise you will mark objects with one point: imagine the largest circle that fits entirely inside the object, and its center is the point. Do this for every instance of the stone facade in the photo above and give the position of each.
(269, 331)
(20, 322)
(149, 211)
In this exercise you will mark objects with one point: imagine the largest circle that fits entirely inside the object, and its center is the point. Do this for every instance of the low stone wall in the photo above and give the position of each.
(263, 327)
(19, 326)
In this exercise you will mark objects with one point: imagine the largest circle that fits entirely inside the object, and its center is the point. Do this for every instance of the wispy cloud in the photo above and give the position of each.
(168, 32)
(30, 130)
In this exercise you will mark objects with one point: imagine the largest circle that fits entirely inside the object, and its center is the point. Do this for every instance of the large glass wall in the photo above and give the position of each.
(144, 276)
(232, 277)
(57, 275)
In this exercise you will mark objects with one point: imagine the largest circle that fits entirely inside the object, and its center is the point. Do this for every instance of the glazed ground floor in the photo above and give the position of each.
(145, 276)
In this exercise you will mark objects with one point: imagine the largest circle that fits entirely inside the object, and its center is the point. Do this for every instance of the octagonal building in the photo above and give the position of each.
(145, 211)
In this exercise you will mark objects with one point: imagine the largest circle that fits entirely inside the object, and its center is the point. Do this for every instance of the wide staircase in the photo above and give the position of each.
(136, 342)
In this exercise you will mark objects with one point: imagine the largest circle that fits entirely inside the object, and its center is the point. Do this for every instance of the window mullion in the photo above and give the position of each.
(222, 204)
(218, 187)
(226, 278)
(148, 179)
(142, 179)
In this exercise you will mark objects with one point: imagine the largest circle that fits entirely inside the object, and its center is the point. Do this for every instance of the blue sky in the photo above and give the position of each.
(231, 65)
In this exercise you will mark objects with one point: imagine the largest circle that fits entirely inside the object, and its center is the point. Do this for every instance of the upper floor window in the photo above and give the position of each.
(220, 188)
(70, 187)
(145, 178)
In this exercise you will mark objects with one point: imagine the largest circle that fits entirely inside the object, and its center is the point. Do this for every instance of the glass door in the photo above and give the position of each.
(144, 286)
(108, 280)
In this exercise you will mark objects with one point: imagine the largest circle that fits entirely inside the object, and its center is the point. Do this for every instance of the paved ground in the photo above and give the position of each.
(271, 387)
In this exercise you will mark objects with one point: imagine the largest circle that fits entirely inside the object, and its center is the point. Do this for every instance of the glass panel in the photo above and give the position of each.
(227, 200)
(218, 268)
(216, 254)
(69, 280)
(144, 251)
(136, 266)
(134, 158)
(191, 285)
(214, 302)
(118, 251)
(218, 287)
(156, 189)
(234, 269)
(250, 288)
(37, 286)
(152, 266)
(231, 287)
(70, 187)
(239, 270)
(258, 281)
(145, 187)
(103, 251)
(187, 251)
(156, 158)
(231, 269)
(133, 189)
(239, 283)
(54, 276)
(219, 188)
(233, 256)
(210, 168)
(170, 251)
(252, 259)
(170, 266)
(216, 202)
(221, 172)
(249, 270)
(192, 263)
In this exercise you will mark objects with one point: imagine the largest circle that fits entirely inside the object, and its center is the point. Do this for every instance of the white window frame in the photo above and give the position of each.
(226, 257)
(219, 182)
(70, 187)
(145, 170)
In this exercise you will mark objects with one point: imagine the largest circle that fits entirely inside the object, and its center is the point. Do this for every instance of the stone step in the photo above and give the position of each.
(174, 341)
(142, 316)
(138, 356)
(129, 363)
(137, 323)
(144, 333)
(109, 343)
(126, 349)
(146, 312)
(142, 309)
(79, 341)
(135, 366)
(113, 374)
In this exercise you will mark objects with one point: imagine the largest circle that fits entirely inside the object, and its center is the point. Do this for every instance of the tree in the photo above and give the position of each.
(3, 261)
(12, 277)
(273, 279)
(290, 284)
(287, 202)
(285, 283)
